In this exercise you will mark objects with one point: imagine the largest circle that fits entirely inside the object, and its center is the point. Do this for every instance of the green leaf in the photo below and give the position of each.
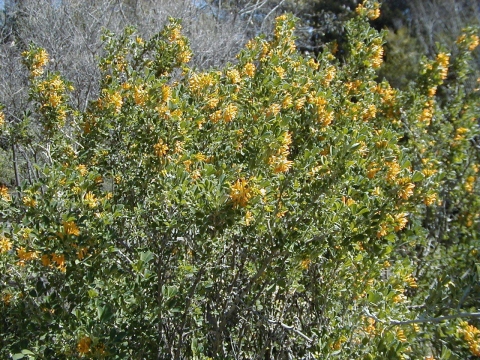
(417, 176)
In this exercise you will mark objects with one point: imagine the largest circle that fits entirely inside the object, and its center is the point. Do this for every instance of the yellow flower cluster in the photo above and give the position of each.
(83, 345)
(198, 82)
(400, 221)
(24, 255)
(234, 76)
(160, 148)
(370, 329)
(471, 335)
(2, 118)
(324, 116)
(372, 12)
(39, 60)
(410, 280)
(469, 183)
(280, 71)
(400, 335)
(5, 244)
(393, 170)
(4, 194)
(29, 201)
(82, 169)
(472, 40)
(166, 93)
(430, 199)
(70, 228)
(406, 191)
(370, 112)
(279, 161)
(140, 95)
(175, 33)
(53, 89)
(240, 193)
(330, 73)
(58, 259)
(460, 133)
(90, 200)
(230, 112)
(249, 69)
(443, 61)
(112, 99)
(377, 59)
(273, 109)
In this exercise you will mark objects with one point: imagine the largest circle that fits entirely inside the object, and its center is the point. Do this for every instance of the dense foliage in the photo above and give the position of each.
(281, 207)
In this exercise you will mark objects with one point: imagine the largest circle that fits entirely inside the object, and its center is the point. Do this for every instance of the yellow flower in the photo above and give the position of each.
(140, 94)
(430, 199)
(60, 261)
(248, 218)
(299, 103)
(6, 298)
(280, 71)
(249, 69)
(460, 133)
(83, 345)
(166, 93)
(329, 74)
(273, 109)
(82, 169)
(401, 335)
(24, 255)
(2, 118)
(370, 112)
(443, 61)
(313, 64)
(287, 101)
(5, 244)
(234, 76)
(383, 231)
(4, 195)
(230, 112)
(184, 56)
(474, 42)
(160, 148)
(29, 201)
(114, 100)
(471, 335)
(377, 59)
(280, 164)
(90, 199)
(393, 170)
(432, 91)
(406, 191)
(400, 221)
(174, 33)
(305, 263)
(373, 14)
(70, 228)
(469, 183)
(399, 298)
(240, 193)
(198, 82)
(410, 280)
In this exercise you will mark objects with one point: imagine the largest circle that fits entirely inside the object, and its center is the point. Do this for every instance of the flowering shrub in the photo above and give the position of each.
(280, 207)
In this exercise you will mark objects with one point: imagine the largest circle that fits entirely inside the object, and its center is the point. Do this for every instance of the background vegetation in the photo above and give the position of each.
(199, 190)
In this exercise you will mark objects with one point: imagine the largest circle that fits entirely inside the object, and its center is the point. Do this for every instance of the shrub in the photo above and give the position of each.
(280, 207)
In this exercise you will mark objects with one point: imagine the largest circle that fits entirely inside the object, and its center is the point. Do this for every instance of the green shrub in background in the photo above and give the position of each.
(281, 207)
